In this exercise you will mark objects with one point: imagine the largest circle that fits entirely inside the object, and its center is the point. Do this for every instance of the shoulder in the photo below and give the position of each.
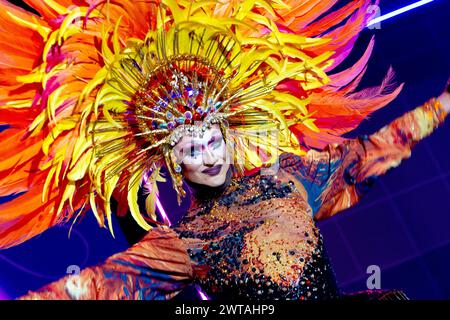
(288, 159)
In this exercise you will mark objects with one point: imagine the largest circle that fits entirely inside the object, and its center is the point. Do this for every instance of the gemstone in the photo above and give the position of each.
(175, 95)
(188, 115)
(162, 103)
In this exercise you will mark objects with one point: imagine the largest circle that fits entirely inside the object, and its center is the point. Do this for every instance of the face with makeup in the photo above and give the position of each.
(203, 159)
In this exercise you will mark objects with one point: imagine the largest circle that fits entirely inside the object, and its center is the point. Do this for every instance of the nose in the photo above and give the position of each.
(209, 158)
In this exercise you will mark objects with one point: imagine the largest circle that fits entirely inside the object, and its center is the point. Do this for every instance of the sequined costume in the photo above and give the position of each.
(257, 237)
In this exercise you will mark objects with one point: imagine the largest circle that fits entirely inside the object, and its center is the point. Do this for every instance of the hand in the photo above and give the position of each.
(444, 98)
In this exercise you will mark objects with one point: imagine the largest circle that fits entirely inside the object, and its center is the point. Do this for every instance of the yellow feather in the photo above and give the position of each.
(109, 185)
(177, 12)
(310, 124)
(110, 119)
(244, 9)
(265, 105)
(294, 101)
(68, 194)
(18, 104)
(268, 6)
(54, 101)
(67, 34)
(150, 205)
(101, 166)
(37, 123)
(116, 44)
(36, 76)
(107, 54)
(57, 162)
(200, 5)
(97, 80)
(52, 39)
(132, 200)
(63, 125)
(43, 31)
(57, 7)
(46, 188)
(302, 41)
(98, 217)
(81, 145)
(78, 172)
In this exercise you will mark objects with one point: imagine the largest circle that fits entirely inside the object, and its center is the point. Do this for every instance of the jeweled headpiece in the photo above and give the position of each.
(175, 82)
(96, 94)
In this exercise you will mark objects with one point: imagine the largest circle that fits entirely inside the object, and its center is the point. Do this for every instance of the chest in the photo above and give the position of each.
(256, 241)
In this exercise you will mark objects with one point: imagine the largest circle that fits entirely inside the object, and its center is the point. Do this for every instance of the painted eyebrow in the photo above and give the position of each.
(213, 139)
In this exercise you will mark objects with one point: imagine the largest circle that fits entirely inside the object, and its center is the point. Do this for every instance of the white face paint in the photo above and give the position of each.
(204, 160)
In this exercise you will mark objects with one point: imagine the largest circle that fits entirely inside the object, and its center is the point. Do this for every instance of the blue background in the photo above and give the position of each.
(402, 225)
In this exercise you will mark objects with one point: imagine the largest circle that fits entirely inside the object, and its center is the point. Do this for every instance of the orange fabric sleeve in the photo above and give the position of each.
(156, 268)
(338, 176)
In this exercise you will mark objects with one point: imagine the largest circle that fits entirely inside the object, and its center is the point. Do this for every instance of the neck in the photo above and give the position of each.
(202, 191)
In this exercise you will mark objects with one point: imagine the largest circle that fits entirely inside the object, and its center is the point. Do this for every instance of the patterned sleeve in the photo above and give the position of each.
(337, 177)
(156, 268)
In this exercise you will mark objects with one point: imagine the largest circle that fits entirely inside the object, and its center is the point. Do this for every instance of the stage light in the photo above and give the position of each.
(201, 293)
(397, 12)
(162, 211)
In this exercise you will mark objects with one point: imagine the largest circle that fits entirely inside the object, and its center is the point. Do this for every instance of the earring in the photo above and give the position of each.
(177, 168)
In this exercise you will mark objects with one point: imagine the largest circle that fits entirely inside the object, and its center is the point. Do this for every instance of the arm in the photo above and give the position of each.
(337, 177)
(156, 268)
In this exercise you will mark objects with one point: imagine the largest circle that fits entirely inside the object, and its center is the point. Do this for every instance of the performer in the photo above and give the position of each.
(237, 100)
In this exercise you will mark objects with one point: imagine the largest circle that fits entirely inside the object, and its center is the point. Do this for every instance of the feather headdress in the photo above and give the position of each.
(95, 93)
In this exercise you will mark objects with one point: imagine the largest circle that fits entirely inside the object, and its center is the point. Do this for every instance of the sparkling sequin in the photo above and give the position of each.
(257, 240)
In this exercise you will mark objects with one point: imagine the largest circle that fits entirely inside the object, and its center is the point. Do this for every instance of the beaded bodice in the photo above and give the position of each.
(258, 240)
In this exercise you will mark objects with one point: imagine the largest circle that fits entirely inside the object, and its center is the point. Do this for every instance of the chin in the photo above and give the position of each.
(214, 181)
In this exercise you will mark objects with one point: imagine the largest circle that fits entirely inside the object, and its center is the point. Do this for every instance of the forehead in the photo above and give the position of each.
(209, 133)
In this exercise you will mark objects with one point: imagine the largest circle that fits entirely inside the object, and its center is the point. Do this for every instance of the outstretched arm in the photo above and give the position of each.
(337, 177)
(156, 268)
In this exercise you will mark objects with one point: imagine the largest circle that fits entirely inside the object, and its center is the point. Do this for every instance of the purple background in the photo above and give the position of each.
(402, 225)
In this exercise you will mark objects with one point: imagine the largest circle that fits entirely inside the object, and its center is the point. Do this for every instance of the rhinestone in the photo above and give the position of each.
(188, 115)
